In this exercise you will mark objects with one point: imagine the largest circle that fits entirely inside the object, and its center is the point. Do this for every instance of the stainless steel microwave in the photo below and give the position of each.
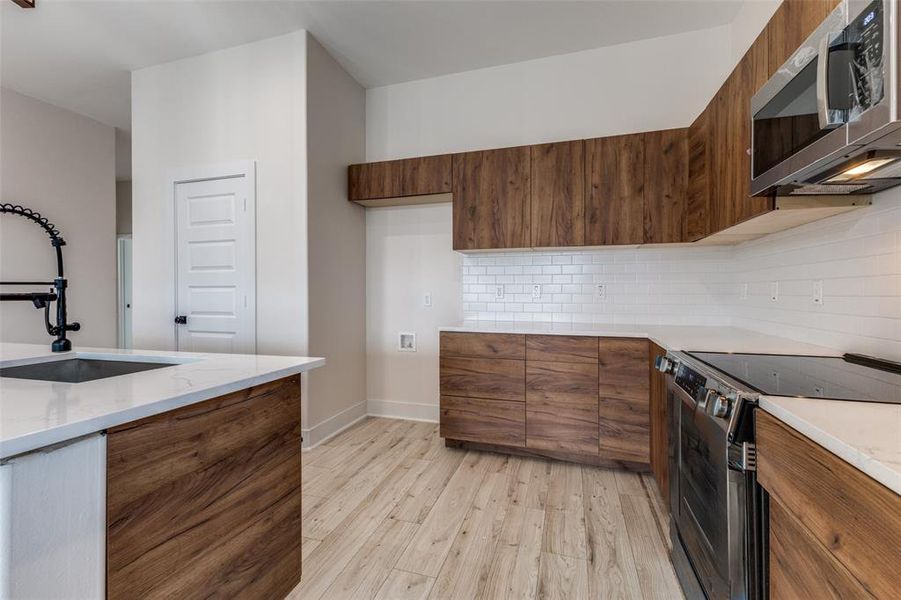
(827, 122)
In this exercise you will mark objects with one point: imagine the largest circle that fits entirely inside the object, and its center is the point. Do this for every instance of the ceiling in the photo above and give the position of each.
(78, 54)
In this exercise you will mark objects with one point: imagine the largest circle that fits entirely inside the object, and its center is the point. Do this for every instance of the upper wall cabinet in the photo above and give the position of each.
(666, 182)
(636, 188)
(491, 199)
(614, 174)
(558, 194)
(400, 178)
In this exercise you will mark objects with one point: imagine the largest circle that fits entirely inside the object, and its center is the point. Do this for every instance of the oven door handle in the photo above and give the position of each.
(823, 83)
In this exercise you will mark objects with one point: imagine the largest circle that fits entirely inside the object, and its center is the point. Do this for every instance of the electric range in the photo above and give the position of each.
(718, 512)
(849, 377)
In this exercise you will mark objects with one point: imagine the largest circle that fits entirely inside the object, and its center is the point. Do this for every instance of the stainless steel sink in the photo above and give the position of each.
(79, 370)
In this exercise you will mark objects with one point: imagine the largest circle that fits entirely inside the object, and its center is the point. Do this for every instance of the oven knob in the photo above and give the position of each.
(665, 365)
(721, 407)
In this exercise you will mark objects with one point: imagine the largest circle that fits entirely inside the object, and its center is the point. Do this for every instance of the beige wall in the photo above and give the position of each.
(62, 165)
(123, 206)
(336, 243)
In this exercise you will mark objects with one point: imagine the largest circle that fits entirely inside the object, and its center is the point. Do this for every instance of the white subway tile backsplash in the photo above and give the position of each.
(856, 255)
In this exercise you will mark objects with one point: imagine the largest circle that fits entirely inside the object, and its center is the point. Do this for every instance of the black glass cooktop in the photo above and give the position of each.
(840, 378)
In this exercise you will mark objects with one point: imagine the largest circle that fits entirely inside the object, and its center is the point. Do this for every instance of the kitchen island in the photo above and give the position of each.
(161, 483)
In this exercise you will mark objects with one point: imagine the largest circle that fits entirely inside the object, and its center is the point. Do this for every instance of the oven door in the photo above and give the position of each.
(699, 492)
(798, 118)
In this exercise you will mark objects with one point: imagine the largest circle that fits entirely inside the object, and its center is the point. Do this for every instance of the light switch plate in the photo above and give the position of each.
(427, 299)
(774, 291)
(498, 292)
(744, 291)
(602, 291)
(818, 292)
(536, 290)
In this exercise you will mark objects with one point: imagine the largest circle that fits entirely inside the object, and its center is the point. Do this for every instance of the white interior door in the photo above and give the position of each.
(216, 265)
(125, 273)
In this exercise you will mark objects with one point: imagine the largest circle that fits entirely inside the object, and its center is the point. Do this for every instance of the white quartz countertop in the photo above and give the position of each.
(671, 337)
(34, 414)
(865, 434)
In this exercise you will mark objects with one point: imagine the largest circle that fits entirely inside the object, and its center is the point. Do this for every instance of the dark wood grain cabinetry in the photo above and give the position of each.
(208, 497)
(481, 420)
(666, 185)
(562, 393)
(624, 414)
(636, 188)
(577, 398)
(558, 194)
(671, 186)
(491, 199)
(834, 531)
(398, 178)
(615, 190)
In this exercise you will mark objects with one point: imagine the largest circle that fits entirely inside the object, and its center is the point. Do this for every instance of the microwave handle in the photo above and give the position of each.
(823, 84)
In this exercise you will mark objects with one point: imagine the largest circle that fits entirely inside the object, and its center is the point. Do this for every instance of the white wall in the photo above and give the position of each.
(62, 165)
(408, 254)
(626, 88)
(337, 269)
(246, 102)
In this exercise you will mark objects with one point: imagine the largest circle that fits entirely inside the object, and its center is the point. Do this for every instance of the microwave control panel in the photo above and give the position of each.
(866, 35)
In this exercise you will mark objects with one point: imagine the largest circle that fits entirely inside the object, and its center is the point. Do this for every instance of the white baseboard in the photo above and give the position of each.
(332, 426)
(411, 411)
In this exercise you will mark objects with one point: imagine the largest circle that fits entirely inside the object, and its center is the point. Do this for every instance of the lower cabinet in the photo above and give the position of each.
(578, 398)
(206, 499)
(624, 414)
(834, 532)
(562, 407)
(485, 421)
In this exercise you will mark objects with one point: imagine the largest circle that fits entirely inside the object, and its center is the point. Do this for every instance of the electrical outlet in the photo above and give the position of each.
(818, 292)
(427, 299)
(498, 292)
(744, 291)
(536, 290)
(602, 291)
(774, 291)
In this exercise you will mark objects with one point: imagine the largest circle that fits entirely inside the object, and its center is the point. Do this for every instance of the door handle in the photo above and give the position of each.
(181, 320)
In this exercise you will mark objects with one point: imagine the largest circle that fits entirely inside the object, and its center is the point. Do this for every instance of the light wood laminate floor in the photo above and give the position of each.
(390, 513)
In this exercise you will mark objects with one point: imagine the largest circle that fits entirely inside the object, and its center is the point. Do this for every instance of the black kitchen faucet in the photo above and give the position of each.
(58, 291)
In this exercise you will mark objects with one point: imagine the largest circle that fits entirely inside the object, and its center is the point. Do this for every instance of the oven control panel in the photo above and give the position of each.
(691, 381)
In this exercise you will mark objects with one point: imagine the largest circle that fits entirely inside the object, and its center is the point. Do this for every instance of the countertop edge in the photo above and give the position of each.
(873, 467)
(31, 442)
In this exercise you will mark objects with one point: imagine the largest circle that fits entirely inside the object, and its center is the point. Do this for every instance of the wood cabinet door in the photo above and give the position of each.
(800, 568)
(666, 184)
(614, 172)
(562, 406)
(397, 178)
(624, 403)
(849, 515)
(491, 199)
(562, 348)
(486, 421)
(206, 499)
(751, 75)
(495, 379)
(483, 345)
(696, 221)
(558, 194)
